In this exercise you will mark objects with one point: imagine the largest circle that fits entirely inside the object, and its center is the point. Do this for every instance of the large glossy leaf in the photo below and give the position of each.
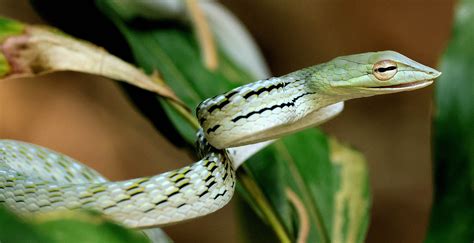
(331, 180)
(452, 216)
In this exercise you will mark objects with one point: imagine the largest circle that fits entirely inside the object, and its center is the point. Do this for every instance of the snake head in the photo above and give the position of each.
(376, 73)
(271, 108)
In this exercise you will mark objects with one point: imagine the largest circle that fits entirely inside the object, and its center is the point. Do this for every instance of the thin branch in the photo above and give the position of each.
(185, 113)
(204, 35)
(302, 215)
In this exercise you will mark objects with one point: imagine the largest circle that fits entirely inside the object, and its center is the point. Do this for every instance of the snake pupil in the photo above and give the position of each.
(381, 69)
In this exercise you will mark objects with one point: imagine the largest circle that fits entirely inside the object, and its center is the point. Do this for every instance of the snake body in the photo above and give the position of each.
(37, 180)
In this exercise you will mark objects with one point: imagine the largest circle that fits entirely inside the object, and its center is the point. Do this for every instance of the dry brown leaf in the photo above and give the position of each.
(40, 50)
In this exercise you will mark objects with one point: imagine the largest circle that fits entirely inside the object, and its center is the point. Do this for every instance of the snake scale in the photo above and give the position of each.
(37, 180)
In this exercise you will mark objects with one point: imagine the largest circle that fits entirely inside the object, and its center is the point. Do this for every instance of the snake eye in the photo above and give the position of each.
(384, 70)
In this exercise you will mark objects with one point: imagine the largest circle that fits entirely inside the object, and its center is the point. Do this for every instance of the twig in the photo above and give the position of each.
(185, 113)
(302, 216)
(204, 35)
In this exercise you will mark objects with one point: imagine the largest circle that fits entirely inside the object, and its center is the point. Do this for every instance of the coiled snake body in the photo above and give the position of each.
(35, 179)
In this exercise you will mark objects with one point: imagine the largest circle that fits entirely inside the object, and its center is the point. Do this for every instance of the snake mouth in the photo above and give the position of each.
(402, 87)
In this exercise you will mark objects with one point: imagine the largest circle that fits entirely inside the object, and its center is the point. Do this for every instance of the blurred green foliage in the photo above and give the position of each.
(452, 215)
(66, 227)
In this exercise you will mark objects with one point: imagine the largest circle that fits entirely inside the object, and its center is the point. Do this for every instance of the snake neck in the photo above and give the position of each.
(263, 110)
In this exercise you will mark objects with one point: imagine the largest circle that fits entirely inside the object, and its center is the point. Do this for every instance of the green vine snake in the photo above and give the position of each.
(37, 180)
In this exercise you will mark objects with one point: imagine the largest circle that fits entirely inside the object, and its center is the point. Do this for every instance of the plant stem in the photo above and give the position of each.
(185, 113)
(203, 35)
(254, 190)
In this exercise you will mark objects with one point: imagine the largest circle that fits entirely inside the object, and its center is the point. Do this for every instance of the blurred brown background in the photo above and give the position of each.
(90, 119)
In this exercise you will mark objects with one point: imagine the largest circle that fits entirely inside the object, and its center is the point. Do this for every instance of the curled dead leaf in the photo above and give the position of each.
(38, 50)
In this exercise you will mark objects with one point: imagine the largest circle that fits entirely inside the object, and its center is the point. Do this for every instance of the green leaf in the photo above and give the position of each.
(351, 196)
(64, 227)
(8, 28)
(452, 216)
(85, 227)
(331, 181)
(14, 229)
